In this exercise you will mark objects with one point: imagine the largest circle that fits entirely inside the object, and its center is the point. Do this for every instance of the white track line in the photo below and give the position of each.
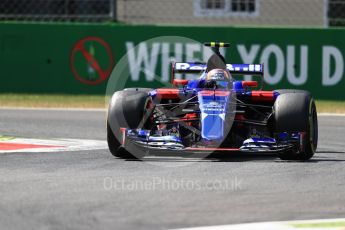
(55, 145)
(331, 114)
(284, 225)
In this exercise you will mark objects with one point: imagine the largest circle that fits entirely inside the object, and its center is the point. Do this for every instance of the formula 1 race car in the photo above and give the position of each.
(213, 113)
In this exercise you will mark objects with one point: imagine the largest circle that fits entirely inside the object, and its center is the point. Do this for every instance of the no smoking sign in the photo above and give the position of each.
(91, 60)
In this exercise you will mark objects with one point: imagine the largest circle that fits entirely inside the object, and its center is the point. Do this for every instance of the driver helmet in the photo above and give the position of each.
(219, 78)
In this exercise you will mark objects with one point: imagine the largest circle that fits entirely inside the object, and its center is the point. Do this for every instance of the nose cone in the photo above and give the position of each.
(212, 127)
(213, 106)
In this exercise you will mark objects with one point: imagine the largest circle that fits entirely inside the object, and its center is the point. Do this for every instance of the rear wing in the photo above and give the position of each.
(197, 67)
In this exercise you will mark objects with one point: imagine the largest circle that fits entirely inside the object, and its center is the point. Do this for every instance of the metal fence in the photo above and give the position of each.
(319, 13)
(58, 10)
(336, 13)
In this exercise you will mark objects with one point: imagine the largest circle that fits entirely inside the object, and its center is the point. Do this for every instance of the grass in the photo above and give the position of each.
(98, 101)
(320, 225)
(330, 106)
(52, 101)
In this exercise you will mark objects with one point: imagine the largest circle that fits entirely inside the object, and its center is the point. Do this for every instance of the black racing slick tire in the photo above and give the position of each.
(127, 109)
(296, 112)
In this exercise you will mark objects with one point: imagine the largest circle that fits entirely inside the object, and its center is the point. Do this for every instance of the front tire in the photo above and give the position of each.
(127, 109)
(296, 112)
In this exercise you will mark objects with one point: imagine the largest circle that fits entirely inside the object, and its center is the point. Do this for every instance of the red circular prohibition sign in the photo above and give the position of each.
(80, 47)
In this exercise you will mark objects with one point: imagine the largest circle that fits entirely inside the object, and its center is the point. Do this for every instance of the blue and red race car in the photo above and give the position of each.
(213, 113)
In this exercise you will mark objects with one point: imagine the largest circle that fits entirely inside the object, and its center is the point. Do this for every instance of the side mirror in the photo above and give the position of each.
(180, 82)
(249, 84)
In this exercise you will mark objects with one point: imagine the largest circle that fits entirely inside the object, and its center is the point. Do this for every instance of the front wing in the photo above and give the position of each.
(141, 140)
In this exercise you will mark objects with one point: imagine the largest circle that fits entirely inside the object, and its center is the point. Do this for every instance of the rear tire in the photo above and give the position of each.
(296, 112)
(127, 109)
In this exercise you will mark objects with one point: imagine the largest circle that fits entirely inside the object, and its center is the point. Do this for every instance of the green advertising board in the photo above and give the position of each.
(78, 59)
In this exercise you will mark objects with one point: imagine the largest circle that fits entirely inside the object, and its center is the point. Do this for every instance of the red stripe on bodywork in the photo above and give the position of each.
(249, 84)
(168, 93)
(216, 93)
(190, 116)
(262, 95)
(177, 82)
(123, 133)
(213, 149)
(18, 146)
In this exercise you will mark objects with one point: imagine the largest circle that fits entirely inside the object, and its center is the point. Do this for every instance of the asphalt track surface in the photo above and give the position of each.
(94, 190)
